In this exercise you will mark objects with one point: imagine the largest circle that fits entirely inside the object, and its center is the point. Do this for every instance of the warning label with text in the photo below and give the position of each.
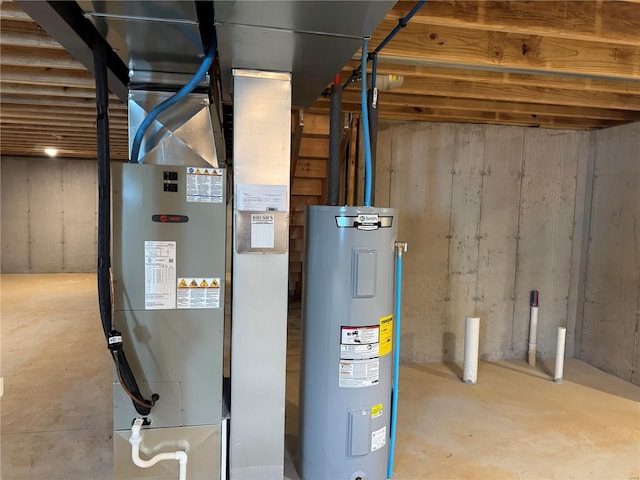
(198, 292)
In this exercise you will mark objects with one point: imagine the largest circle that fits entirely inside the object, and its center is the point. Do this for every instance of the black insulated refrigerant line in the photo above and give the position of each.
(335, 139)
(105, 291)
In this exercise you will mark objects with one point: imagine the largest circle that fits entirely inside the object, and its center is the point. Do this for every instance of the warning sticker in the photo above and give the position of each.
(378, 439)
(386, 335)
(159, 275)
(359, 335)
(359, 373)
(198, 292)
(359, 352)
(376, 411)
(205, 184)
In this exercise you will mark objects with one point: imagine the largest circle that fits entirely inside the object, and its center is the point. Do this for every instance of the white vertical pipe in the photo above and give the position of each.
(533, 327)
(562, 334)
(533, 333)
(471, 342)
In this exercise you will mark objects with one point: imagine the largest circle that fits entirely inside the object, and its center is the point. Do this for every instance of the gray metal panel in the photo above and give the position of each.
(262, 123)
(290, 37)
(344, 18)
(151, 36)
(178, 355)
(181, 135)
(201, 443)
(612, 292)
(15, 215)
(325, 443)
(364, 273)
(181, 346)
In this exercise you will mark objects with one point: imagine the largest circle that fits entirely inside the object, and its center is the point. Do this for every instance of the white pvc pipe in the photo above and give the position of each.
(533, 334)
(562, 334)
(471, 348)
(136, 439)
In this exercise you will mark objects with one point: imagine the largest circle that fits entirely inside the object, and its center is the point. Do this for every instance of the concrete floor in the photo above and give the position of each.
(514, 424)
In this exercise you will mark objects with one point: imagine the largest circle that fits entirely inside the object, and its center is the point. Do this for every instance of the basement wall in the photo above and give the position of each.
(490, 213)
(48, 215)
(608, 336)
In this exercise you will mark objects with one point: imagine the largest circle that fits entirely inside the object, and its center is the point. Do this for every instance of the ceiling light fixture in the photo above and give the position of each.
(52, 152)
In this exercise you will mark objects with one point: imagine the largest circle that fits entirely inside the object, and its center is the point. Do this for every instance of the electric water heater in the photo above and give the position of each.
(346, 369)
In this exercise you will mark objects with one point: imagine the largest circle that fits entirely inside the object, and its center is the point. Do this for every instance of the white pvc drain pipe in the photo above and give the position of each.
(471, 349)
(136, 439)
(562, 335)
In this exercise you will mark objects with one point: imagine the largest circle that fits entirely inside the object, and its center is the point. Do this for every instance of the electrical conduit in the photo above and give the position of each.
(136, 439)
(401, 247)
(175, 98)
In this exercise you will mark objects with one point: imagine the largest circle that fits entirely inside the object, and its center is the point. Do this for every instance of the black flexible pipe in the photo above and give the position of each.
(114, 339)
(104, 187)
(335, 141)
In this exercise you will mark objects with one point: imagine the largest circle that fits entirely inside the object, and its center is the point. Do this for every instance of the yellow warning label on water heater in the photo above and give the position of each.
(386, 335)
(376, 410)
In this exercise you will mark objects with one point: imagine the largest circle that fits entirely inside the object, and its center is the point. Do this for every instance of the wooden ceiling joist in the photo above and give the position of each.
(606, 21)
(505, 51)
(566, 64)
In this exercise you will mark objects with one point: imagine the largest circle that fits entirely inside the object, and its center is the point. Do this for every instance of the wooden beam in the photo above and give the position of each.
(56, 101)
(501, 78)
(12, 11)
(484, 117)
(33, 57)
(311, 147)
(603, 21)
(62, 121)
(25, 34)
(35, 111)
(47, 76)
(351, 103)
(49, 90)
(504, 51)
(515, 93)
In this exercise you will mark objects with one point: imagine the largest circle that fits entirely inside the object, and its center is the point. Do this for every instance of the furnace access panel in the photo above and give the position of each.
(169, 231)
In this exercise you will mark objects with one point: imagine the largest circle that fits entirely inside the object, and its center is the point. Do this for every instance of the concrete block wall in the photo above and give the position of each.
(48, 215)
(609, 334)
(490, 213)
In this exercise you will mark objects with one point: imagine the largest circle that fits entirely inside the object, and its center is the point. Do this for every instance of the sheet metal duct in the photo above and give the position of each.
(311, 39)
(149, 36)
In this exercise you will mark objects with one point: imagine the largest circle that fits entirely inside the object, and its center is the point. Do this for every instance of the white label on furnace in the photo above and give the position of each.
(205, 184)
(159, 275)
(378, 439)
(198, 292)
(359, 352)
(262, 230)
(359, 335)
(359, 373)
(261, 198)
